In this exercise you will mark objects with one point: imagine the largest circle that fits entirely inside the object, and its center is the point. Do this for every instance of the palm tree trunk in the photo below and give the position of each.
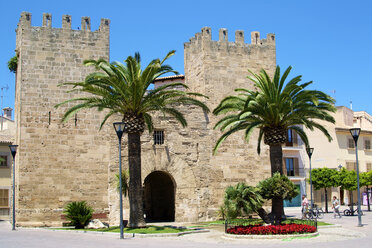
(276, 158)
(263, 215)
(136, 218)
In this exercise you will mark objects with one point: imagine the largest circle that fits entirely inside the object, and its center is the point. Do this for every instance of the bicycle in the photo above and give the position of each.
(349, 212)
(316, 213)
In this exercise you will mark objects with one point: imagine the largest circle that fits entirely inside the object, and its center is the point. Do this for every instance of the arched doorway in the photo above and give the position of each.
(159, 194)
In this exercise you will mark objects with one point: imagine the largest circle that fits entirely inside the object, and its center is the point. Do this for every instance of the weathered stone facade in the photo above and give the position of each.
(59, 163)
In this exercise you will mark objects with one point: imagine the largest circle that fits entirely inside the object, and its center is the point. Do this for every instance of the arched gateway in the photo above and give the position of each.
(159, 197)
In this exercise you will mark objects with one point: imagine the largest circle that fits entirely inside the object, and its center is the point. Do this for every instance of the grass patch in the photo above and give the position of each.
(145, 230)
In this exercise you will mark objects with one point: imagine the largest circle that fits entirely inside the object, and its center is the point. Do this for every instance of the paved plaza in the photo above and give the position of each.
(345, 234)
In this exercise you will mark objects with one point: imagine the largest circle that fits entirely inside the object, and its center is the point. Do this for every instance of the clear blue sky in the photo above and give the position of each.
(328, 42)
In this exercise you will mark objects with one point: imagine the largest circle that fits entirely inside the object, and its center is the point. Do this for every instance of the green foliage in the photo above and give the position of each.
(277, 186)
(124, 182)
(79, 213)
(13, 63)
(123, 89)
(366, 178)
(274, 105)
(324, 178)
(241, 199)
(348, 179)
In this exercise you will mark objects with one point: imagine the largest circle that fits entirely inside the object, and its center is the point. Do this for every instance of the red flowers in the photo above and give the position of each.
(259, 229)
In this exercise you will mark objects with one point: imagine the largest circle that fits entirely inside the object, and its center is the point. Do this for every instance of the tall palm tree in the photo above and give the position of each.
(123, 89)
(273, 108)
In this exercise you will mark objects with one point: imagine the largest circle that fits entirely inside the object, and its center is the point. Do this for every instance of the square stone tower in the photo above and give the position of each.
(57, 163)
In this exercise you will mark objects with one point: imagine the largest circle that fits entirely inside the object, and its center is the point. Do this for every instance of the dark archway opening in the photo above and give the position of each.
(159, 194)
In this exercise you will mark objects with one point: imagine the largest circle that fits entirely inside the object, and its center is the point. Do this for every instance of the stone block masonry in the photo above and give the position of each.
(59, 163)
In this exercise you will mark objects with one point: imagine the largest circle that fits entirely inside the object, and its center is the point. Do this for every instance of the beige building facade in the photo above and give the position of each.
(63, 162)
(340, 152)
(7, 131)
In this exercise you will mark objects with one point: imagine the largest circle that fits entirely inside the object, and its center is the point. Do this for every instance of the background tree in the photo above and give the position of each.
(324, 178)
(123, 89)
(348, 180)
(366, 180)
(273, 108)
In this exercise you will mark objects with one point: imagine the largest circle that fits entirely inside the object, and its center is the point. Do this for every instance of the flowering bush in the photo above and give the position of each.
(259, 229)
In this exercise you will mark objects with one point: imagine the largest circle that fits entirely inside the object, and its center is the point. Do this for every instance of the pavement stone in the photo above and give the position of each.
(344, 234)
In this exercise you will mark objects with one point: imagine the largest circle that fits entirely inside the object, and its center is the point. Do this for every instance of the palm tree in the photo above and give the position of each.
(273, 108)
(123, 89)
(243, 199)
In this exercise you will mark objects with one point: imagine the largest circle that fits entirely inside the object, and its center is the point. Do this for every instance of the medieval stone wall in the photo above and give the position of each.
(57, 163)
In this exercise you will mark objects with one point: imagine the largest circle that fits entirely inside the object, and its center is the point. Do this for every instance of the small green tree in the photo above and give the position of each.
(12, 64)
(79, 213)
(277, 187)
(348, 180)
(324, 178)
(243, 199)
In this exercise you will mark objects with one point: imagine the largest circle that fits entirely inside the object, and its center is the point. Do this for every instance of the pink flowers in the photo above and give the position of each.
(259, 229)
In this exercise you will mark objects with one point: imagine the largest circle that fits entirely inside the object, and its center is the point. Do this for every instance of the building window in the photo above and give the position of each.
(350, 143)
(291, 138)
(4, 198)
(351, 166)
(367, 144)
(4, 161)
(158, 137)
(289, 164)
(369, 167)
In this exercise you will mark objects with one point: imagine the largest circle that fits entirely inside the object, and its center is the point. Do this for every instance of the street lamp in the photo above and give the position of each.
(13, 150)
(309, 153)
(120, 128)
(355, 133)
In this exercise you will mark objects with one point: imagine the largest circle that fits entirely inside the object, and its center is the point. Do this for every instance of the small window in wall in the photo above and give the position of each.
(3, 161)
(351, 166)
(369, 167)
(4, 198)
(350, 143)
(158, 137)
(367, 144)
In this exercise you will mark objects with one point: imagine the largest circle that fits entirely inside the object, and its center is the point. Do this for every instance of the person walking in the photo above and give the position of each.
(336, 207)
(305, 205)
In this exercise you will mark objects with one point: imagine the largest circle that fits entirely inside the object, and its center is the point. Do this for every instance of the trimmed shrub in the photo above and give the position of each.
(79, 213)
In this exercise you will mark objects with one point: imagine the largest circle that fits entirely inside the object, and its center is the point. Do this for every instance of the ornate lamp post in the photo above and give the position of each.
(13, 150)
(309, 153)
(119, 128)
(355, 133)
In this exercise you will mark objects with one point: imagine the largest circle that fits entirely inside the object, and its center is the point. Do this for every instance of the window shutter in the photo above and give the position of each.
(296, 167)
(294, 137)
(284, 167)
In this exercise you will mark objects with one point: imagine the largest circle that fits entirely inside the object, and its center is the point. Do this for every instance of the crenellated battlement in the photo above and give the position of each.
(214, 65)
(25, 22)
(205, 36)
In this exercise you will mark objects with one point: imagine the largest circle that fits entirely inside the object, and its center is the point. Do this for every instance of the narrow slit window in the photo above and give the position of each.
(158, 137)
